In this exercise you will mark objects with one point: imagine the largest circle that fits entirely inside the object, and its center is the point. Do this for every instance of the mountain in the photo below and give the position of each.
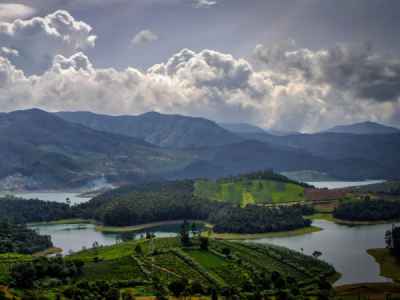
(246, 129)
(375, 154)
(364, 128)
(169, 131)
(41, 150)
(241, 128)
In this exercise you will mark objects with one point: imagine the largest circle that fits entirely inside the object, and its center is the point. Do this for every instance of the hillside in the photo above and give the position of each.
(40, 150)
(166, 267)
(241, 128)
(364, 128)
(171, 131)
(267, 188)
(344, 156)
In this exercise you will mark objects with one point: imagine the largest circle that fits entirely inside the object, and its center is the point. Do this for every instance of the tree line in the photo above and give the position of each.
(257, 219)
(368, 210)
(19, 210)
(20, 239)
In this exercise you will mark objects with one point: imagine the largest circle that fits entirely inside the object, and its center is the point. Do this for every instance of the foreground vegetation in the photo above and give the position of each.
(172, 266)
(18, 238)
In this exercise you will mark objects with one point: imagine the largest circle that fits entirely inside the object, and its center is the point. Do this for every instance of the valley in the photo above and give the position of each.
(147, 212)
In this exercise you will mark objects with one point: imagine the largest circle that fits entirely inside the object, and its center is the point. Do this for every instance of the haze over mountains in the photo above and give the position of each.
(69, 149)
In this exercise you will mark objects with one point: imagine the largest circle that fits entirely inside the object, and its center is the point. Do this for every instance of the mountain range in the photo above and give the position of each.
(364, 128)
(171, 131)
(41, 150)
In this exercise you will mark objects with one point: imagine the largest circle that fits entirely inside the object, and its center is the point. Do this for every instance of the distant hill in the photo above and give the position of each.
(241, 128)
(245, 130)
(364, 128)
(44, 151)
(170, 131)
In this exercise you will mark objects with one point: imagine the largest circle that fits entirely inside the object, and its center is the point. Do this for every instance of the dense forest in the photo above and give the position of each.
(368, 210)
(152, 203)
(26, 211)
(257, 219)
(20, 239)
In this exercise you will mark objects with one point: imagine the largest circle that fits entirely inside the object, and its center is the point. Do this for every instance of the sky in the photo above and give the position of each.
(296, 65)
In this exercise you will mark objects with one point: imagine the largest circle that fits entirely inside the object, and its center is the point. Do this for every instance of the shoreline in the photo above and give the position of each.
(64, 222)
(208, 228)
(140, 227)
(254, 236)
(389, 265)
(329, 217)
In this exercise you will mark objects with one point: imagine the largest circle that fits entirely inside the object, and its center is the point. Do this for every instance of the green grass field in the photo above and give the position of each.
(243, 192)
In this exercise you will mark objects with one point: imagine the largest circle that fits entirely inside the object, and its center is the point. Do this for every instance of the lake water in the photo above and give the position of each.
(342, 246)
(342, 184)
(51, 196)
(75, 237)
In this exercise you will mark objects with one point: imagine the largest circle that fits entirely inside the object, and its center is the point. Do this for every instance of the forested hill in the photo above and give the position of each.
(197, 200)
(44, 151)
(172, 131)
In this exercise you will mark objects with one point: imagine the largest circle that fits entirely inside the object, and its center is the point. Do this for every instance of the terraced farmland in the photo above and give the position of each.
(162, 262)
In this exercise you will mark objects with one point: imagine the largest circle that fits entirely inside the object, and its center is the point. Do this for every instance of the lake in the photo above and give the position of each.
(51, 196)
(342, 184)
(342, 246)
(75, 237)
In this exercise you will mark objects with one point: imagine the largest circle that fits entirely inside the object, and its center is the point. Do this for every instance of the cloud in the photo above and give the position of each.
(144, 37)
(206, 83)
(357, 70)
(204, 3)
(39, 39)
(12, 11)
(7, 52)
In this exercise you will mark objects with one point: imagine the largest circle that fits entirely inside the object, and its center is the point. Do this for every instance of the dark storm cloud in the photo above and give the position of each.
(360, 70)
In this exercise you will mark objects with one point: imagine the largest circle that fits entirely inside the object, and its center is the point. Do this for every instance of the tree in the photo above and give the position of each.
(226, 251)
(177, 287)
(23, 274)
(317, 254)
(193, 228)
(196, 288)
(184, 234)
(204, 242)
(138, 250)
(392, 238)
(214, 295)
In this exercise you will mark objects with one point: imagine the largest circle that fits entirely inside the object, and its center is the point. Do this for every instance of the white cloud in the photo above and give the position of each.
(144, 37)
(39, 39)
(8, 52)
(204, 3)
(206, 83)
(12, 11)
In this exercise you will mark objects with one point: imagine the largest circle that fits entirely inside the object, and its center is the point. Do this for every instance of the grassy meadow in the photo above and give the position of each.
(245, 191)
